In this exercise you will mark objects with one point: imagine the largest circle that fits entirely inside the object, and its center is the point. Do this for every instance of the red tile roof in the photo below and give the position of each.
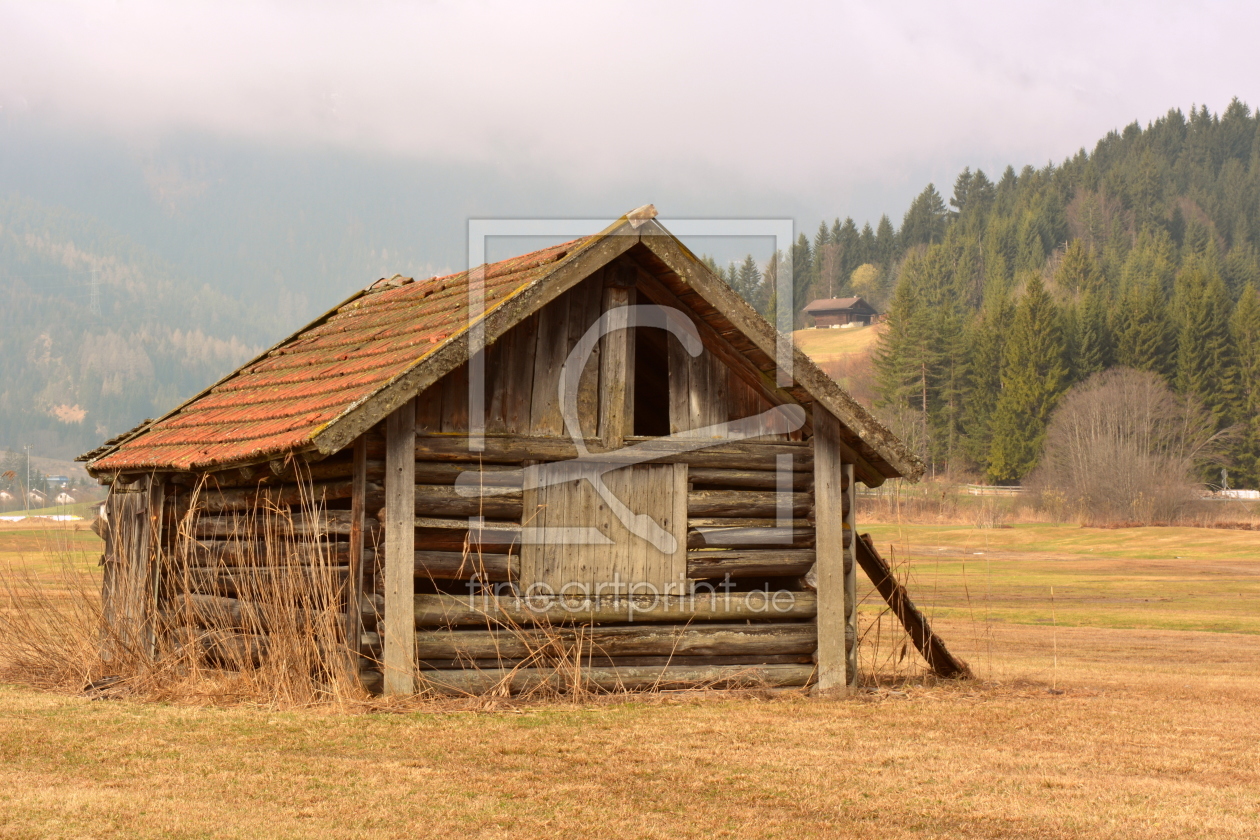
(281, 400)
(830, 304)
(321, 386)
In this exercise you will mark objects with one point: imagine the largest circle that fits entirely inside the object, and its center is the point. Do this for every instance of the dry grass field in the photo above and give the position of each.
(1128, 709)
(827, 345)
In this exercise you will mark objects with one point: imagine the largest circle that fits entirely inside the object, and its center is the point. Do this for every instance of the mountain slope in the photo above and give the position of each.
(99, 334)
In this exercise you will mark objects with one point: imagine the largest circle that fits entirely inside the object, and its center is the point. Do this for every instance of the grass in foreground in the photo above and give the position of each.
(1153, 736)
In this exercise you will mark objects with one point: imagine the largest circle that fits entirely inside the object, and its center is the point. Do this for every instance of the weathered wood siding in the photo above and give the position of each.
(522, 374)
(658, 491)
(436, 583)
(132, 560)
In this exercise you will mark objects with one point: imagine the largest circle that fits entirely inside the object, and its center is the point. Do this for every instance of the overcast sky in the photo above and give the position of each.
(810, 109)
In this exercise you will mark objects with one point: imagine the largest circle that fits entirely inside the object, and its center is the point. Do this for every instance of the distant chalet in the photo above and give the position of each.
(839, 312)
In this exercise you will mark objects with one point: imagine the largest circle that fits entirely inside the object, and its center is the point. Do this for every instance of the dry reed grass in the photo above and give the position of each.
(266, 628)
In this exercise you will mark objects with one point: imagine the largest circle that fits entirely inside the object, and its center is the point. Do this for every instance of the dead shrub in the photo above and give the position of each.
(1122, 447)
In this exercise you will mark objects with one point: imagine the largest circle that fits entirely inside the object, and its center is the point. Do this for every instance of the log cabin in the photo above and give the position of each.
(840, 312)
(597, 448)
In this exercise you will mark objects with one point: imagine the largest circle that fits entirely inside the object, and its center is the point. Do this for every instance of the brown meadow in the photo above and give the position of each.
(1114, 726)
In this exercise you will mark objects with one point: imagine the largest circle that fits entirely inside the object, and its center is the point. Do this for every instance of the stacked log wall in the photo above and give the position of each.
(747, 606)
(470, 613)
(243, 547)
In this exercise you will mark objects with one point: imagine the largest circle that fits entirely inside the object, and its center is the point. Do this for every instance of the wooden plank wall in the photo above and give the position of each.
(655, 490)
(703, 391)
(133, 514)
(523, 374)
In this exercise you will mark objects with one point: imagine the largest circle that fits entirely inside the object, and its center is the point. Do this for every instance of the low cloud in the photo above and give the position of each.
(822, 102)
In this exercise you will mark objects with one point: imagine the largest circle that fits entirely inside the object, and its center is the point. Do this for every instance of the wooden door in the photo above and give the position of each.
(624, 556)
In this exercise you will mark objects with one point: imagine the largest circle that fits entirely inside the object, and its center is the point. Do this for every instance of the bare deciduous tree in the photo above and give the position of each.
(1123, 447)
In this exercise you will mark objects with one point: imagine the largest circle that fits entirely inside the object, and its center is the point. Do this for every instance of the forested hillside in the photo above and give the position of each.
(99, 334)
(1001, 292)
(1141, 253)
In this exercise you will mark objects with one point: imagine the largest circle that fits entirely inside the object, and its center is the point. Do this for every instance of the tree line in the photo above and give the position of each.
(1142, 253)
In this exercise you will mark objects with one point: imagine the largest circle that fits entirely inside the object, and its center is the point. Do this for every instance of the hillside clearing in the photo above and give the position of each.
(826, 345)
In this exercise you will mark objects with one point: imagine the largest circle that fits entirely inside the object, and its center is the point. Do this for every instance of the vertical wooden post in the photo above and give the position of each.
(830, 521)
(616, 367)
(154, 559)
(849, 544)
(400, 535)
(354, 576)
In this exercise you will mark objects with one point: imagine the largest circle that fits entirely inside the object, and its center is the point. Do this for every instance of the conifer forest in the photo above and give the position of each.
(1001, 296)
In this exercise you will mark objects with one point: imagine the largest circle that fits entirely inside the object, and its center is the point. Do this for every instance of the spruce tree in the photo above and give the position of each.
(1031, 243)
(1245, 330)
(1205, 350)
(962, 187)
(1092, 346)
(1034, 376)
(1153, 257)
(885, 243)
(1078, 272)
(849, 241)
(822, 238)
(986, 341)
(919, 360)
(900, 364)
(973, 193)
(924, 222)
(868, 252)
(1145, 335)
(1240, 267)
(802, 271)
(1000, 249)
(748, 282)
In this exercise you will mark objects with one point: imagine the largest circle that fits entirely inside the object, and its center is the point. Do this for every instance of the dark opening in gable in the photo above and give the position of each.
(651, 382)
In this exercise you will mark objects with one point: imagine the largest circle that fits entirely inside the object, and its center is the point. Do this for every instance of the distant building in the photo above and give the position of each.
(36, 496)
(65, 499)
(840, 312)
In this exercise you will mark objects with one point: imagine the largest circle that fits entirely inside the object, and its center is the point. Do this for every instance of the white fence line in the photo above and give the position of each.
(992, 490)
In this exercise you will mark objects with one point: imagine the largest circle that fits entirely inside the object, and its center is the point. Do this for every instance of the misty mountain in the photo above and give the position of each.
(136, 274)
(100, 333)
(133, 278)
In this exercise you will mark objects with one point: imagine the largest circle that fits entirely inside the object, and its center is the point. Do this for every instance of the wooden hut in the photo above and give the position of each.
(637, 479)
(840, 312)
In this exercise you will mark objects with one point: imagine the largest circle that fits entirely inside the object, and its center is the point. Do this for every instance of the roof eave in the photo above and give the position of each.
(897, 461)
(596, 252)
